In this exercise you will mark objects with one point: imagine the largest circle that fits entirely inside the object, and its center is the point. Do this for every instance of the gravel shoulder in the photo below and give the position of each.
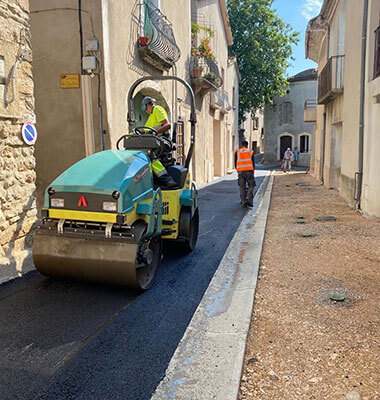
(301, 343)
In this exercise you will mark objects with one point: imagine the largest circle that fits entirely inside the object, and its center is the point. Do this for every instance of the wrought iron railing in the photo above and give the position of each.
(330, 80)
(216, 99)
(206, 69)
(157, 44)
(227, 105)
(310, 104)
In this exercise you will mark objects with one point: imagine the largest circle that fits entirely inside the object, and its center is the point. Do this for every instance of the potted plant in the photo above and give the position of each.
(196, 69)
(196, 72)
(144, 41)
(211, 77)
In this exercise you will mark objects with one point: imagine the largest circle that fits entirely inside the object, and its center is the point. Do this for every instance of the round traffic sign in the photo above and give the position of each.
(29, 133)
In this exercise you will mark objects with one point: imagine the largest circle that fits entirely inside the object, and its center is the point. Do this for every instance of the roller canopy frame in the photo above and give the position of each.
(193, 118)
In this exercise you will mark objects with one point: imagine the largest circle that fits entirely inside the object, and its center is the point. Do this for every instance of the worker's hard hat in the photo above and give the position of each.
(147, 100)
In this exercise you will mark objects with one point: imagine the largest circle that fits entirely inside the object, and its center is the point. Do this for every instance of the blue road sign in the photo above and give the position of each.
(29, 133)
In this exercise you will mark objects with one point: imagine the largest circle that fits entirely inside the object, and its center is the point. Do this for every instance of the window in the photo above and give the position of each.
(304, 144)
(286, 113)
(233, 98)
(180, 142)
(255, 123)
(145, 20)
(377, 53)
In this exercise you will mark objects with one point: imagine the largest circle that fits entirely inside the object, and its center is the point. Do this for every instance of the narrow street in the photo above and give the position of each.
(66, 340)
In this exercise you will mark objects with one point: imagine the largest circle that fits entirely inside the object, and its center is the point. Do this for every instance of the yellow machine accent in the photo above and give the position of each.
(171, 209)
(82, 215)
(90, 216)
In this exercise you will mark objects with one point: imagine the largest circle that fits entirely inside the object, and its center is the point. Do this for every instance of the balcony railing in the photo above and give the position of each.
(330, 80)
(310, 110)
(310, 104)
(204, 75)
(216, 100)
(227, 105)
(220, 100)
(156, 43)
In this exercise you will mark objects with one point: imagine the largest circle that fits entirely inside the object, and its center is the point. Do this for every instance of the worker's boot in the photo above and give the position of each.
(167, 181)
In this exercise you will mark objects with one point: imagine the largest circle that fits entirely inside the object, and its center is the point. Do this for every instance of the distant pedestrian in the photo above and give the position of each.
(295, 153)
(288, 155)
(245, 167)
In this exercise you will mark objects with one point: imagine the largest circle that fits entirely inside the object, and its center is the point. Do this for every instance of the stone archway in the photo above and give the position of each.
(284, 141)
(140, 115)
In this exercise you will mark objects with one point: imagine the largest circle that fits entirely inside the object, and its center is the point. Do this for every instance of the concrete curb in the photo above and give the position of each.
(208, 361)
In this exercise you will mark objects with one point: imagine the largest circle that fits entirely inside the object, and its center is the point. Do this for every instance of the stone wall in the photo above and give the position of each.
(17, 163)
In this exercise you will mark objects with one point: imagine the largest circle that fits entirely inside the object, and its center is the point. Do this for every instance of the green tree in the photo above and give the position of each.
(263, 46)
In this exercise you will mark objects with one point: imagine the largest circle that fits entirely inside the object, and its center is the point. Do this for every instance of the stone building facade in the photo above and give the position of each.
(17, 163)
(284, 124)
(347, 122)
(252, 129)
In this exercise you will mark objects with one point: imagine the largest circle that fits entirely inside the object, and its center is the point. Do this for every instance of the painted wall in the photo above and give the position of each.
(254, 133)
(371, 177)
(214, 147)
(341, 133)
(274, 129)
(56, 51)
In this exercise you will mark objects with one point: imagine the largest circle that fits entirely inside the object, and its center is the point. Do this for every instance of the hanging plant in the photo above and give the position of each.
(205, 50)
(204, 47)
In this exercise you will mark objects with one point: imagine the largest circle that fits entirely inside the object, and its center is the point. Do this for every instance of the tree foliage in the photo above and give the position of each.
(263, 45)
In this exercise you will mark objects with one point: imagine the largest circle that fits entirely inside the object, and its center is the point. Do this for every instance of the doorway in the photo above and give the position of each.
(335, 155)
(217, 148)
(285, 142)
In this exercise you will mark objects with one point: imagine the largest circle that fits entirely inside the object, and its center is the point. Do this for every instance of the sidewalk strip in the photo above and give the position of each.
(208, 361)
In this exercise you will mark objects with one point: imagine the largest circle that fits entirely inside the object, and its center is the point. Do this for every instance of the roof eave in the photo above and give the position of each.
(226, 22)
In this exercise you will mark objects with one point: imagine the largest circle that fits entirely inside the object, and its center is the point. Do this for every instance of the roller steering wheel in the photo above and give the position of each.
(142, 130)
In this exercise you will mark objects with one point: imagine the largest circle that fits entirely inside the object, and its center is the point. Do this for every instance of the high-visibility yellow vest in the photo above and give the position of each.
(244, 160)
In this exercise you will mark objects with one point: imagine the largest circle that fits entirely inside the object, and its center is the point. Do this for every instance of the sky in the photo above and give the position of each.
(297, 13)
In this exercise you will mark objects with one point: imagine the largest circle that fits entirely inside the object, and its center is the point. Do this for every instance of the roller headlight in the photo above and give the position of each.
(109, 206)
(57, 203)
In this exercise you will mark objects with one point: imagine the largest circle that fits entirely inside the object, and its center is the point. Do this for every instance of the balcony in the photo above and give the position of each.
(204, 75)
(226, 105)
(219, 100)
(216, 100)
(330, 80)
(310, 111)
(157, 45)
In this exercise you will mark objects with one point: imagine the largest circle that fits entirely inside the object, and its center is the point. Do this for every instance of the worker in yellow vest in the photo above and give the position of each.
(245, 167)
(158, 120)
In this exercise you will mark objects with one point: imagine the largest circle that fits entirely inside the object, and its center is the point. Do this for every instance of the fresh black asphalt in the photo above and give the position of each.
(61, 339)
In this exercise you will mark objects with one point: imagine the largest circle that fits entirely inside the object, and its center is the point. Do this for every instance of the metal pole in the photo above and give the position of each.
(88, 120)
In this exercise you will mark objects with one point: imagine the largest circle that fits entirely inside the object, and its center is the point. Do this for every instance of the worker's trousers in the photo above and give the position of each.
(246, 181)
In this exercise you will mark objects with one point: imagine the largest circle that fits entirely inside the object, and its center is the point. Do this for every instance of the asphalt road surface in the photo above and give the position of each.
(61, 339)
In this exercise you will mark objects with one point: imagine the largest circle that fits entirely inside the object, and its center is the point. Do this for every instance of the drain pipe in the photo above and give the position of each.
(175, 95)
(323, 145)
(362, 99)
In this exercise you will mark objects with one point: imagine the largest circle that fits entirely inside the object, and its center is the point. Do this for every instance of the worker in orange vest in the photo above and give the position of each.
(245, 167)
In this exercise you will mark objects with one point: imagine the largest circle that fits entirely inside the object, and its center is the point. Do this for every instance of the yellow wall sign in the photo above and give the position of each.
(70, 81)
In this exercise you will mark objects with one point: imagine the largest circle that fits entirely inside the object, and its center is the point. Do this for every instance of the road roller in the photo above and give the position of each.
(104, 219)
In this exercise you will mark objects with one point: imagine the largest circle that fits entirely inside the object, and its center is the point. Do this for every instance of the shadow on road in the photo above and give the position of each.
(62, 339)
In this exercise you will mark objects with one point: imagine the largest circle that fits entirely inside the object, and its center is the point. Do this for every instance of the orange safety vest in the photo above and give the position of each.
(244, 160)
